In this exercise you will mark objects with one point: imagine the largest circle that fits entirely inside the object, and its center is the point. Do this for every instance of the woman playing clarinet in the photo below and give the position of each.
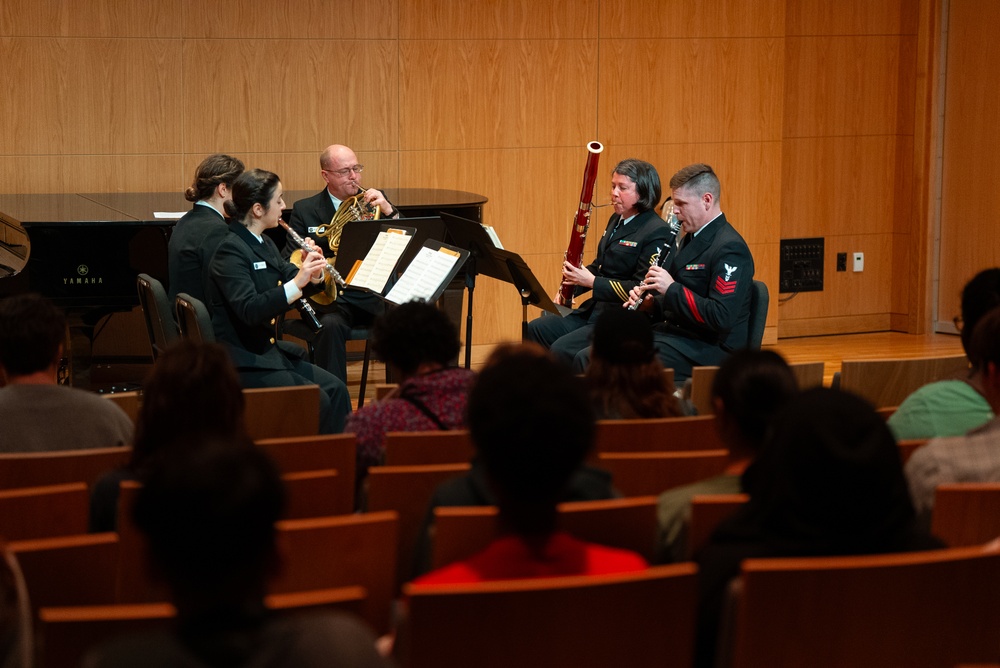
(630, 244)
(252, 285)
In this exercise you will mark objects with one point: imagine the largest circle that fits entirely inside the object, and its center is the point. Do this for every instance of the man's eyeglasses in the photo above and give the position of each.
(357, 169)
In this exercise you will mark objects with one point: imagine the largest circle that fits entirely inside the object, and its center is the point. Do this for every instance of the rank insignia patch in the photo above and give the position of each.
(724, 287)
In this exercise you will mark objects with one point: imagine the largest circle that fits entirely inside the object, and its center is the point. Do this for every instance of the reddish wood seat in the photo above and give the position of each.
(641, 473)
(40, 512)
(966, 513)
(414, 448)
(707, 510)
(657, 434)
(35, 469)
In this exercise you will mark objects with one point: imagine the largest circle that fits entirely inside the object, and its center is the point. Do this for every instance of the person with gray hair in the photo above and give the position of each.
(700, 301)
(632, 240)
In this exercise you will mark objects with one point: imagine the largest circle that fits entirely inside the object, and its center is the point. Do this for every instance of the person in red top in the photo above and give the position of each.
(532, 425)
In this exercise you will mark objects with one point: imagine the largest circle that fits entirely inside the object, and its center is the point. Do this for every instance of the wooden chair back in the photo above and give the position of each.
(642, 473)
(293, 454)
(341, 551)
(34, 469)
(807, 375)
(629, 524)
(937, 608)
(134, 582)
(272, 412)
(966, 513)
(42, 512)
(69, 570)
(886, 382)
(908, 446)
(130, 402)
(580, 621)
(316, 494)
(407, 490)
(886, 412)
(68, 633)
(413, 448)
(657, 434)
(707, 510)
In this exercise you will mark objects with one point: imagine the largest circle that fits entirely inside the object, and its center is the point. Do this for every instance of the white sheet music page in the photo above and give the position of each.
(376, 268)
(425, 274)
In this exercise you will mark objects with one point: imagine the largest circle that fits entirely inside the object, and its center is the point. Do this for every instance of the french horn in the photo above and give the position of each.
(351, 209)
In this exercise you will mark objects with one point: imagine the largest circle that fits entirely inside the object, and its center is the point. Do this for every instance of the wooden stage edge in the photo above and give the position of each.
(831, 350)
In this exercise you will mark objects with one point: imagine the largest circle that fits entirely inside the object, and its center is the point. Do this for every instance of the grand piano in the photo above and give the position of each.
(85, 250)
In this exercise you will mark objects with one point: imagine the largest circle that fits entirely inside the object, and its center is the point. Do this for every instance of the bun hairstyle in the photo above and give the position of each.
(254, 186)
(213, 170)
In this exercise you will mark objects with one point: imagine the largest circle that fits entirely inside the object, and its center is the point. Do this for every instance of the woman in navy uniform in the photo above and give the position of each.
(252, 285)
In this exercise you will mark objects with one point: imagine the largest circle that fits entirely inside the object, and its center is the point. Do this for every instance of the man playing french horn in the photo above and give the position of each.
(341, 171)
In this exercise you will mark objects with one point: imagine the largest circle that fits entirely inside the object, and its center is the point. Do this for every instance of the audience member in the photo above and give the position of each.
(198, 233)
(532, 427)
(192, 390)
(625, 377)
(828, 482)
(974, 457)
(418, 342)
(207, 510)
(36, 412)
(750, 386)
(954, 406)
(474, 488)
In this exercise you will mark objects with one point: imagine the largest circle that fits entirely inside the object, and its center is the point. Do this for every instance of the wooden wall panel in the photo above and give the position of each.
(497, 93)
(93, 18)
(292, 20)
(842, 86)
(87, 96)
(300, 171)
(692, 19)
(971, 144)
(851, 17)
(93, 173)
(499, 19)
(239, 97)
(727, 90)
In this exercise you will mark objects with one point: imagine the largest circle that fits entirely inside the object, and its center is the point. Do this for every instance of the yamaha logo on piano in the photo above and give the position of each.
(83, 278)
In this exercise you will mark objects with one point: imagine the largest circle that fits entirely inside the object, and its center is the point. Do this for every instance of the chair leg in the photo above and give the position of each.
(364, 373)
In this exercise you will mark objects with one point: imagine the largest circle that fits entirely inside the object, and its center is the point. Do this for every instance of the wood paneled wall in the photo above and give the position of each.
(805, 108)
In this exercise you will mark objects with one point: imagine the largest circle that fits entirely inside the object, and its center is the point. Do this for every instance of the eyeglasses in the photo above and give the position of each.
(357, 169)
(958, 322)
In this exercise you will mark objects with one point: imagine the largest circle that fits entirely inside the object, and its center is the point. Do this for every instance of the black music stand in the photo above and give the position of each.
(527, 285)
(471, 236)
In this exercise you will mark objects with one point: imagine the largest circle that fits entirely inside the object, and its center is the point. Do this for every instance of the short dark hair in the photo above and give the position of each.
(646, 179)
(979, 296)
(254, 186)
(985, 346)
(753, 385)
(415, 333)
(213, 170)
(31, 330)
(698, 178)
(207, 508)
(193, 389)
(532, 426)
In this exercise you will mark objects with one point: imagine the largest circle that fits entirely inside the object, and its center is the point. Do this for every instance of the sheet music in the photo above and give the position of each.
(425, 274)
(377, 267)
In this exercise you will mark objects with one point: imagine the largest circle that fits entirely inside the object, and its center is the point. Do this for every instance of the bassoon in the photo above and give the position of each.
(581, 222)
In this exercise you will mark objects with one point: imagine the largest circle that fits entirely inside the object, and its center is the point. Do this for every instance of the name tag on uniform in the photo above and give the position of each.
(693, 267)
(312, 229)
(260, 265)
(630, 244)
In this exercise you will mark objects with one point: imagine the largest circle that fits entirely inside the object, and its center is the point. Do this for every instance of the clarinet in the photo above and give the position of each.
(306, 310)
(673, 227)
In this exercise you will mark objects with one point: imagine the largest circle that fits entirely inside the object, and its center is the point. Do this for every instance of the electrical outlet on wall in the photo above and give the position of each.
(859, 262)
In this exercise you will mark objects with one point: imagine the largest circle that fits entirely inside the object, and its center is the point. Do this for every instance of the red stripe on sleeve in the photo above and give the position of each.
(689, 296)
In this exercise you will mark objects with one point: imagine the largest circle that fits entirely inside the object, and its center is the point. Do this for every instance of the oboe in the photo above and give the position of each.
(673, 227)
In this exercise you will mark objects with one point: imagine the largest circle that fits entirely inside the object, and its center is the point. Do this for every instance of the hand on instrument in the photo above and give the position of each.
(657, 280)
(312, 245)
(311, 270)
(374, 197)
(634, 295)
(577, 275)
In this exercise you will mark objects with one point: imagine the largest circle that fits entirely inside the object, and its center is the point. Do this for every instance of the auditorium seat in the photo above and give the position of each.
(42, 512)
(628, 523)
(413, 448)
(966, 513)
(707, 510)
(272, 412)
(640, 473)
(33, 469)
(310, 453)
(936, 608)
(656, 434)
(887, 382)
(639, 620)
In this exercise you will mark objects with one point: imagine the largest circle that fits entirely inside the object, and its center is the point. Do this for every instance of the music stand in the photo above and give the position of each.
(471, 236)
(527, 285)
